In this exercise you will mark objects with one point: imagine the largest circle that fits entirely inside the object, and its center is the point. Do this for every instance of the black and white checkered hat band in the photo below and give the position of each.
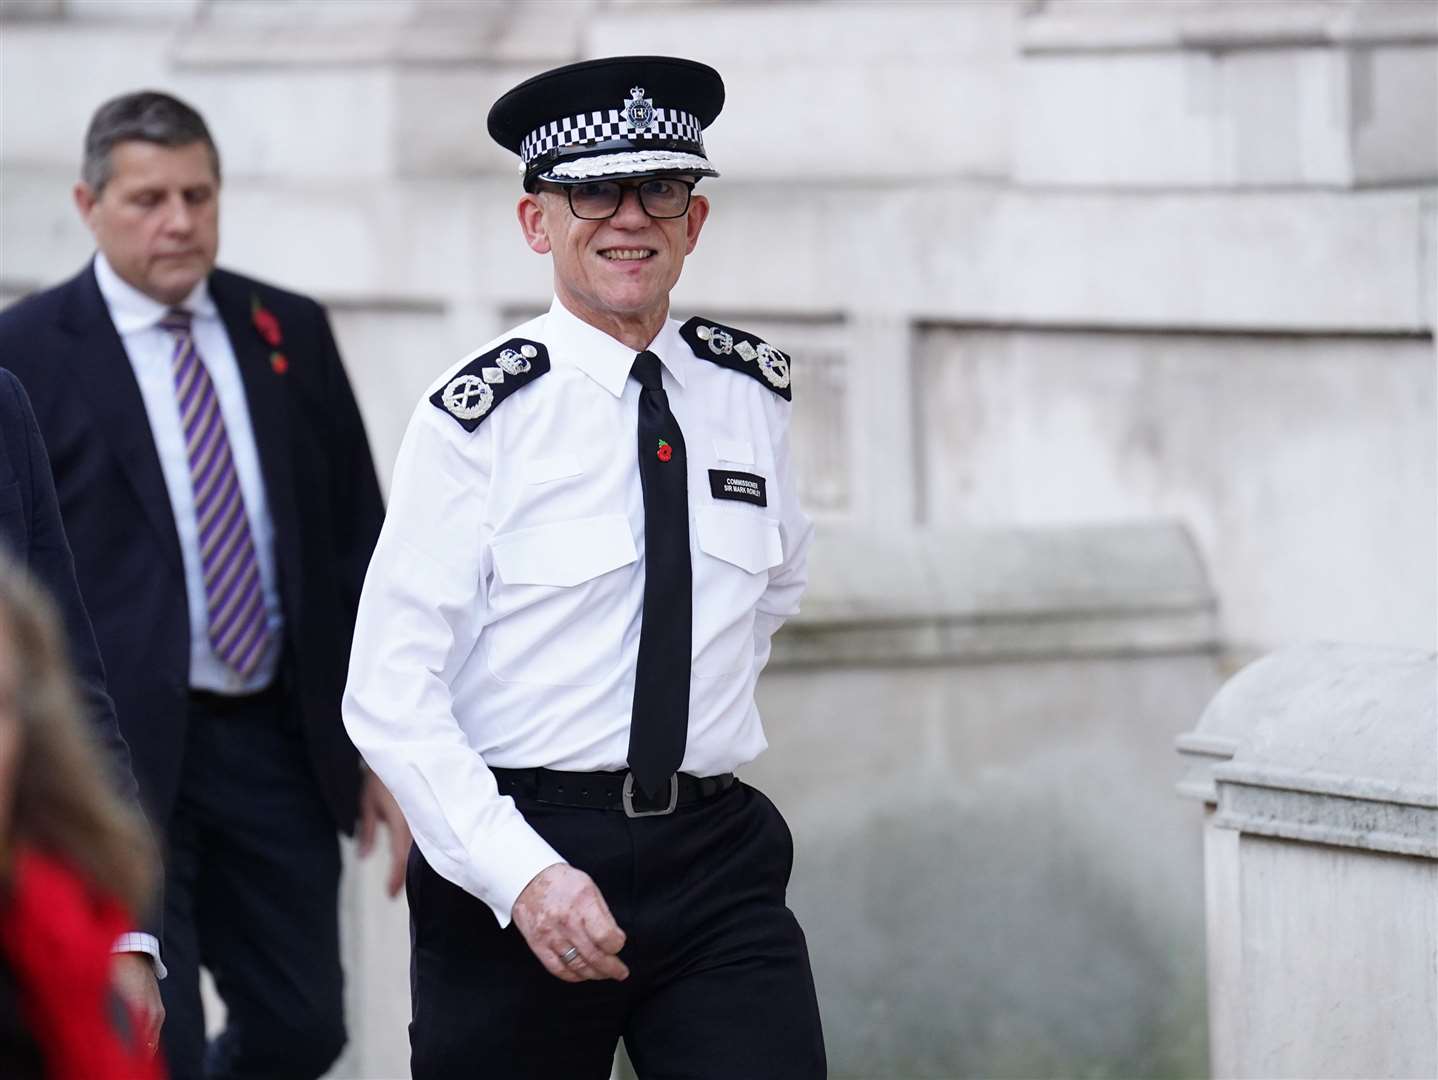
(670, 126)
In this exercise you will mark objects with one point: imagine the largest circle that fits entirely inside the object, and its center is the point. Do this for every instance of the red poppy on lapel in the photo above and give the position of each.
(279, 363)
(265, 322)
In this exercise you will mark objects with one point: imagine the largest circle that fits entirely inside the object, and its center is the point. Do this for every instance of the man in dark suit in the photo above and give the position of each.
(218, 491)
(31, 530)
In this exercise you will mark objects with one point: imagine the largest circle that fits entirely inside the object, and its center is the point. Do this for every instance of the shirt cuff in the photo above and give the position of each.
(137, 941)
(526, 854)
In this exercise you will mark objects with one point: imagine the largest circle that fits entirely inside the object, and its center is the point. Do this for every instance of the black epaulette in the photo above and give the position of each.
(488, 379)
(740, 351)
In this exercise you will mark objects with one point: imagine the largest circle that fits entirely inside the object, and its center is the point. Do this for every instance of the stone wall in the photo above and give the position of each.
(1240, 195)
(1045, 266)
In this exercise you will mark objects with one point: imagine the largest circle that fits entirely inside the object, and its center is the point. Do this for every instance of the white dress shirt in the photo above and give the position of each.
(500, 619)
(151, 351)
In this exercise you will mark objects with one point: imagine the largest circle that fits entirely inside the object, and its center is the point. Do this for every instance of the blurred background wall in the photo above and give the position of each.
(1114, 333)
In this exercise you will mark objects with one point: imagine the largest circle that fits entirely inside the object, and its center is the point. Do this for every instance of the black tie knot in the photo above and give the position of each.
(176, 321)
(646, 371)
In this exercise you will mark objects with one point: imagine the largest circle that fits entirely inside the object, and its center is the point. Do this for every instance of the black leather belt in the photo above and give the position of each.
(608, 790)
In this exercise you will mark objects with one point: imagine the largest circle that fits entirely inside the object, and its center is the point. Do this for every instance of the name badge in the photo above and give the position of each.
(738, 486)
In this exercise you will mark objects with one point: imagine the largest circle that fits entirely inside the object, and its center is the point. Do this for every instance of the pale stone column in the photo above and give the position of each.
(1319, 765)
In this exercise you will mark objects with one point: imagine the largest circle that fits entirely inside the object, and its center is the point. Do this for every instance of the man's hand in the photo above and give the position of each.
(133, 976)
(562, 909)
(378, 805)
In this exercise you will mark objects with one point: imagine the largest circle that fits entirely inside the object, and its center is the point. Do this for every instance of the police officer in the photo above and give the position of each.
(593, 535)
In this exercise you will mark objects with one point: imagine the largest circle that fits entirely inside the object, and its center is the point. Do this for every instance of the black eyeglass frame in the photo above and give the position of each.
(637, 186)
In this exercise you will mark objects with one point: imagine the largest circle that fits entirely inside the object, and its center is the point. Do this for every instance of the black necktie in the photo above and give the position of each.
(660, 721)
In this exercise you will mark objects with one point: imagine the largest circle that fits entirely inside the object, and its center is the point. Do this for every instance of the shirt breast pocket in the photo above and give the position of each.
(559, 608)
(738, 548)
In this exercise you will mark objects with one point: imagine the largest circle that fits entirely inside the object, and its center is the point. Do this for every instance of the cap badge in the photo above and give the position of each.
(516, 363)
(639, 110)
(774, 365)
(468, 397)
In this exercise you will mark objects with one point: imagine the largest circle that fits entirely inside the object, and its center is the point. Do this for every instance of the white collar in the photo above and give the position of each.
(604, 359)
(132, 310)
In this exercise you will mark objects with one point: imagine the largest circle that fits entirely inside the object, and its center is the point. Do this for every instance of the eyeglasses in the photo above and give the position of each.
(661, 197)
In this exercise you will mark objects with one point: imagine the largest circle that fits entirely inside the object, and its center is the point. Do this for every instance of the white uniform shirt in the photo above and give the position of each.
(500, 619)
(151, 352)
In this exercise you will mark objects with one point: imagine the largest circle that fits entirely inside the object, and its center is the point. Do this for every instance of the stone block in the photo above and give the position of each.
(932, 102)
(23, 10)
(1300, 464)
(53, 75)
(1338, 979)
(1340, 747)
(133, 11)
(987, 876)
(1322, 863)
(44, 239)
(298, 124)
(1230, 95)
(1395, 122)
(1178, 119)
(881, 596)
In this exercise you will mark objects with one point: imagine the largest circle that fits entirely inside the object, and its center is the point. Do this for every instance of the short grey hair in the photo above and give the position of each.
(144, 116)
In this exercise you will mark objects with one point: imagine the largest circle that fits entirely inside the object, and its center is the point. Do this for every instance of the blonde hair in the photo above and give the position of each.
(64, 801)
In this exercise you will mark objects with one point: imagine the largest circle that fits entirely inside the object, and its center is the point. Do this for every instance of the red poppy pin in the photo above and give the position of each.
(665, 451)
(268, 328)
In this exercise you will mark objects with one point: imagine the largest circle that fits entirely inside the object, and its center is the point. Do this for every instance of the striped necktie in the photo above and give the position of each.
(239, 630)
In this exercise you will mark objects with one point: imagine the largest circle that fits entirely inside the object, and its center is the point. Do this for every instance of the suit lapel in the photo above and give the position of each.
(107, 387)
(269, 419)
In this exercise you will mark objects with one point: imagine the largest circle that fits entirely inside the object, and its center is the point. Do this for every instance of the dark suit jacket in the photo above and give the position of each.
(31, 532)
(319, 480)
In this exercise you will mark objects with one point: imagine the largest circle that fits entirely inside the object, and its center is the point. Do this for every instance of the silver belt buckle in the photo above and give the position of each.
(627, 798)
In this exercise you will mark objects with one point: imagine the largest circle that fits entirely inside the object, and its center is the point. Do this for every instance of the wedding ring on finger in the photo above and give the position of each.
(570, 955)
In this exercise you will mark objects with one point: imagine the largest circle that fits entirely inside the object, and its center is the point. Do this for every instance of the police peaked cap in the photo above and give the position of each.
(619, 116)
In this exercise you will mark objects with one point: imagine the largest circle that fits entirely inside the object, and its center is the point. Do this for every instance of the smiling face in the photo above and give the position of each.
(614, 274)
(158, 218)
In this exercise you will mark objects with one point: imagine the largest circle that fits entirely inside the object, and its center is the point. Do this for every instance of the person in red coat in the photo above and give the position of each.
(75, 864)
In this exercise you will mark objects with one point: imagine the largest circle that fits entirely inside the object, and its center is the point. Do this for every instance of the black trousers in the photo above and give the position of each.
(251, 892)
(719, 985)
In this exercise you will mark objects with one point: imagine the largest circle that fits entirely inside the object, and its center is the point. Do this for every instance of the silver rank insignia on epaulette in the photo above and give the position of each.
(738, 351)
(720, 343)
(474, 391)
(467, 397)
(516, 362)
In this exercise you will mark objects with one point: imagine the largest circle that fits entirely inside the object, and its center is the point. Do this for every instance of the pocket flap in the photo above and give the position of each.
(748, 541)
(734, 450)
(564, 553)
(552, 467)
